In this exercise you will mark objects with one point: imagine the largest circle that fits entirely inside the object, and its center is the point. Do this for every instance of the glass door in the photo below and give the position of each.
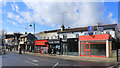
(87, 49)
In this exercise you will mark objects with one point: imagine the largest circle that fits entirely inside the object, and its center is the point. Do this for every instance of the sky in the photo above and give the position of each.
(17, 16)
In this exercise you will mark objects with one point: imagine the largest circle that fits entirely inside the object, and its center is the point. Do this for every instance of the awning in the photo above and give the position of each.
(40, 42)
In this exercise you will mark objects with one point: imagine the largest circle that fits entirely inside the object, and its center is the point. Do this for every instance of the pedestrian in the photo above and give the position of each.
(50, 51)
(20, 51)
(54, 51)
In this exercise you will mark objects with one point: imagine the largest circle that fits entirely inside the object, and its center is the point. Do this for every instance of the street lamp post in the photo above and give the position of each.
(34, 27)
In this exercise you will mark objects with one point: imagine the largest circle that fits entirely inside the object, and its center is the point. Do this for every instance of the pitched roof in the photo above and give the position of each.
(50, 31)
(24, 35)
(80, 29)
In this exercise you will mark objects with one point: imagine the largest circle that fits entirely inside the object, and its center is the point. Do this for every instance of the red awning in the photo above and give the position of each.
(94, 37)
(40, 42)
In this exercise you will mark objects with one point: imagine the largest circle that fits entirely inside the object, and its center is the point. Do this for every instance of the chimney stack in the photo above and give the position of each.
(25, 32)
(62, 27)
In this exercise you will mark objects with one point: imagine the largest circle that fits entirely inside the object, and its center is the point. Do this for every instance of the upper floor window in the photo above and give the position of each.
(107, 32)
(77, 35)
(85, 33)
(24, 39)
(95, 32)
(65, 36)
(44, 37)
(51, 37)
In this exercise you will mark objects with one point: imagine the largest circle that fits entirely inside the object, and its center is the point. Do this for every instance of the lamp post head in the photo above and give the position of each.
(30, 25)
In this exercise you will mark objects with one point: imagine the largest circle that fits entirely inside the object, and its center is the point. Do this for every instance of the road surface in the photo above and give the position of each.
(15, 59)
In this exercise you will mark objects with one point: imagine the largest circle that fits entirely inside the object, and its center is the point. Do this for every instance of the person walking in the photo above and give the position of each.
(20, 51)
(54, 51)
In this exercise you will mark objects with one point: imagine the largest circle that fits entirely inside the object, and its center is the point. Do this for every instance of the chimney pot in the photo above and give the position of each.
(62, 27)
(68, 27)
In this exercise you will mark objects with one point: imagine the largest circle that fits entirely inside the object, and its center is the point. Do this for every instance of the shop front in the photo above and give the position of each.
(55, 44)
(41, 46)
(94, 45)
(70, 46)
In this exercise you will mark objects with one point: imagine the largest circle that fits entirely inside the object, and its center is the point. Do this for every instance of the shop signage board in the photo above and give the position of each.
(90, 30)
(100, 28)
(53, 41)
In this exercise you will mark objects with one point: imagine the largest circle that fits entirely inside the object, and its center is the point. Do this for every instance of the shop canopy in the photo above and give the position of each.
(94, 37)
(40, 42)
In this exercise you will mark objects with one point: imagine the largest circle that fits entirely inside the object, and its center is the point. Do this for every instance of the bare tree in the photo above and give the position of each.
(2, 36)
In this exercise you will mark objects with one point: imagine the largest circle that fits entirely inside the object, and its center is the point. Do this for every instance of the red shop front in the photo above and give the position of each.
(94, 46)
(41, 46)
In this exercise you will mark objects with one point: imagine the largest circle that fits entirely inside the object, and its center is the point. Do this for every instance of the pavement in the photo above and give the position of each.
(33, 60)
(76, 58)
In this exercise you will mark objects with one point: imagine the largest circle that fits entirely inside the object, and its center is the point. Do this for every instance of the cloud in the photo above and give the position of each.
(27, 16)
(16, 7)
(15, 17)
(110, 19)
(52, 13)
(13, 7)
(10, 15)
(12, 22)
(110, 15)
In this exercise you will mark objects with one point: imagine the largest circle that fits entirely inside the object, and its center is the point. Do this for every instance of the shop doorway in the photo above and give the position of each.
(87, 49)
(93, 48)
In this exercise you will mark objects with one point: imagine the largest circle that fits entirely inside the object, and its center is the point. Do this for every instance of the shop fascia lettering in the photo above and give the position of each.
(54, 42)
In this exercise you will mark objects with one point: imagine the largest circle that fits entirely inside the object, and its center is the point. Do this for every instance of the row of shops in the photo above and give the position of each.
(74, 42)
(91, 46)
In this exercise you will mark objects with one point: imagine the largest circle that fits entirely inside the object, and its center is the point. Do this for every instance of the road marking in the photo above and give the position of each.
(55, 65)
(32, 63)
(45, 60)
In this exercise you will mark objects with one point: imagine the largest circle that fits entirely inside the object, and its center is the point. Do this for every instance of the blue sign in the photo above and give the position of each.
(90, 30)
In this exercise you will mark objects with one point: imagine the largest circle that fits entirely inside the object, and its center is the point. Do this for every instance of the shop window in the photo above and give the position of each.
(82, 49)
(47, 37)
(82, 41)
(86, 41)
(98, 49)
(41, 37)
(98, 41)
(72, 46)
